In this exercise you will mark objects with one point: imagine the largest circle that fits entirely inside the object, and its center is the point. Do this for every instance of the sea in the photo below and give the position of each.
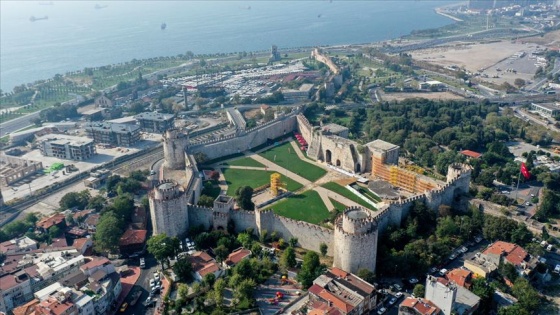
(79, 34)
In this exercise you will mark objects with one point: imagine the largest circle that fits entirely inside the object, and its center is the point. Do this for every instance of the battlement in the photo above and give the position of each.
(356, 221)
(166, 189)
(303, 120)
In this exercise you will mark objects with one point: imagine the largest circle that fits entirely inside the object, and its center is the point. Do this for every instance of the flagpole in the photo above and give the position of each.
(518, 178)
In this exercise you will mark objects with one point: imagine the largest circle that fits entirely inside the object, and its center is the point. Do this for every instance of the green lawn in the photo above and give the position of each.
(246, 161)
(337, 205)
(236, 178)
(341, 190)
(285, 156)
(306, 207)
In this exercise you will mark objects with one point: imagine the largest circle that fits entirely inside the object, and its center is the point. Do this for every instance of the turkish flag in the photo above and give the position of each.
(525, 171)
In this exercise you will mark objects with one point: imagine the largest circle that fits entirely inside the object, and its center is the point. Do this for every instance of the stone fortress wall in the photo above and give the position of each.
(353, 242)
(168, 208)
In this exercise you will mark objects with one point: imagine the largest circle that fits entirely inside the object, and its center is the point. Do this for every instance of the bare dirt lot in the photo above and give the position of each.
(429, 95)
(549, 39)
(472, 56)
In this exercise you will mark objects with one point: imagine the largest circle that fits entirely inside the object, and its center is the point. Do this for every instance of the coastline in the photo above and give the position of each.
(440, 12)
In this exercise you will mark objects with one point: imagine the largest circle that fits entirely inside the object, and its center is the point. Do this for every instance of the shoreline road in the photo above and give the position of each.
(17, 123)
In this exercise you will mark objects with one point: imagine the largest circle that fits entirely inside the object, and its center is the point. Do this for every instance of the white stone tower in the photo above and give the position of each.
(355, 240)
(174, 144)
(168, 209)
(220, 216)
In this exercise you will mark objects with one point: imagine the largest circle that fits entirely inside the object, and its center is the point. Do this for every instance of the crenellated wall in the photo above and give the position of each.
(174, 144)
(304, 127)
(169, 209)
(200, 216)
(310, 236)
(246, 140)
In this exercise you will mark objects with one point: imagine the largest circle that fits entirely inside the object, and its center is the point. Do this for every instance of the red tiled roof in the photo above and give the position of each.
(470, 153)
(210, 267)
(82, 213)
(203, 263)
(80, 242)
(338, 303)
(95, 262)
(460, 276)
(421, 306)
(133, 237)
(511, 252)
(92, 219)
(52, 306)
(7, 282)
(237, 255)
(27, 308)
(47, 223)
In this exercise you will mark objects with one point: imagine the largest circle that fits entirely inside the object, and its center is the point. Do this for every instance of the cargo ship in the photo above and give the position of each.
(33, 19)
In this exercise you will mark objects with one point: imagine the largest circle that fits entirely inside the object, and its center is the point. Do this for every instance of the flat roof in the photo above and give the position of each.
(114, 127)
(384, 145)
(550, 106)
(155, 116)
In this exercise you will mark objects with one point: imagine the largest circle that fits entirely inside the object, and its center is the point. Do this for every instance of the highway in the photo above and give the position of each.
(17, 123)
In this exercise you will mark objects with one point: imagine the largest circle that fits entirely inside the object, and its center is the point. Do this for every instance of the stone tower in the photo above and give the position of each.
(184, 90)
(174, 144)
(168, 209)
(355, 240)
(222, 206)
(1, 201)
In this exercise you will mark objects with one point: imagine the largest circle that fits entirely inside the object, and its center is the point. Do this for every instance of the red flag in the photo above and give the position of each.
(525, 171)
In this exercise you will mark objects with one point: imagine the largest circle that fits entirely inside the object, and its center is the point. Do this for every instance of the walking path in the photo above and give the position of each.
(222, 183)
(324, 193)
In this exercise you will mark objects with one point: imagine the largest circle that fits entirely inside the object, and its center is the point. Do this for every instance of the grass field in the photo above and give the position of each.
(246, 161)
(236, 178)
(306, 207)
(341, 190)
(285, 156)
(337, 205)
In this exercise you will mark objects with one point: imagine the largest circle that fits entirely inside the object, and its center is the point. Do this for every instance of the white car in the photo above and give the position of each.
(156, 276)
(412, 280)
(557, 269)
(392, 301)
(142, 263)
(152, 283)
(399, 294)
(442, 272)
(463, 249)
(381, 311)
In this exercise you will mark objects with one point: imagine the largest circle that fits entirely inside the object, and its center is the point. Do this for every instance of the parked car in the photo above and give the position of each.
(123, 308)
(463, 249)
(557, 269)
(478, 239)
(412, 280)
(156, 276)
(392, 301)
(452, 256)
(399, 294)
(142, 263)
(397, 287)
(442, 272)
(433, 269)
(381, 311)
(152, 283)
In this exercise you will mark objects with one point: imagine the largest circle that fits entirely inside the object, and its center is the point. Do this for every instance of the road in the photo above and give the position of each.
(143, 284)
(17, 123)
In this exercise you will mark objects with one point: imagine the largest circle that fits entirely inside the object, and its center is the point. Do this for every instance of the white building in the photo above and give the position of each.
(15, 290)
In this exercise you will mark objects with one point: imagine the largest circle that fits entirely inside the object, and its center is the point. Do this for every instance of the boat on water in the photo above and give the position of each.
(163, 26)
(135, 296)
(99, 6)
(33, 19)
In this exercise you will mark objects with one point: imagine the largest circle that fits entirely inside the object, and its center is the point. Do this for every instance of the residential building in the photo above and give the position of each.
(91, 222)
(155, 122)
(13, 169)
(104, 101)
(236, 256)
(203, 264)
(546, 109)
(461, 277)
(16, 290)
(450, 298)
(67, 147)
(418, 306)
(482, 265)
(59, 305)
(471, 154)
(82, 245)
(123, 135)
(18, 245)
(513, 254)
(300, 95)
(27, 308)
(97, 263)
(132, 241)
(95, 114)
(57, 220)
(344, 291)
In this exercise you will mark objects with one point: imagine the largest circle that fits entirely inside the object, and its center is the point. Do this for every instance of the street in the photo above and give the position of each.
(17, 123)
(144, 285)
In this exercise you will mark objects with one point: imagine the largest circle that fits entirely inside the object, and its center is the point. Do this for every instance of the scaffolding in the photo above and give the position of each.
(276, 184)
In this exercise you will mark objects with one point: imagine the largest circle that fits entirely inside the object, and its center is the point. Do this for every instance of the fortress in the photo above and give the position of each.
(352, 243)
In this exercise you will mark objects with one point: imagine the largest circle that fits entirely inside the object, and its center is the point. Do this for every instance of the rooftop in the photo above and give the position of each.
(48, 222)
(383, 145)
(133, 237)
(154, 116)
(203, 263)
(472, 154)
(113, 127)
(513, 253)
(334, 128)
(95, 262)
(62, 139)
(551, 106)
(237, 255)
(421, 306)
(460, 276)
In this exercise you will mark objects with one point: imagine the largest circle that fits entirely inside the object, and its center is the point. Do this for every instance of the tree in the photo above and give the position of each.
(209, 279)
(183, 269)
(288, 258)
(221, 253)
(107, 234)
(481, 288)
(519, 82)
(243, 197)
(293, 241)
(205, 201)
(54, 231)
(366, 275)
(75, 199)
(323, 248)
(161, 247)
(419, 290)
(528, 297)
(311, 269)
(245, 239)
(97, 202)
(218, 292)
(245, 288)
